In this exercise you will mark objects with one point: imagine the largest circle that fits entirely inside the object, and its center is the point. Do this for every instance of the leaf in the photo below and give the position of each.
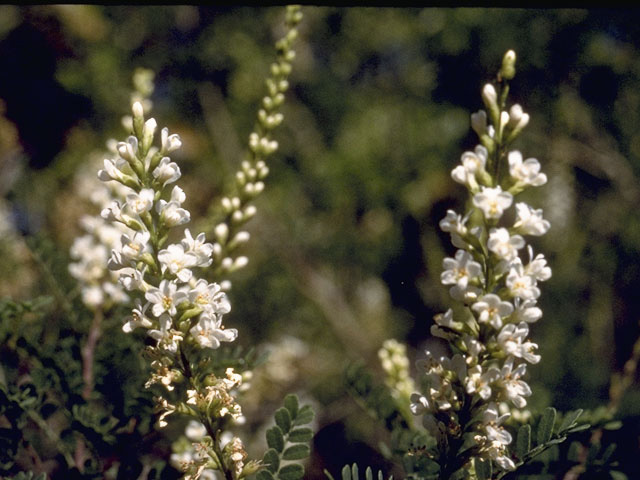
(271, 460)
(297, 452)
(614, 425)
(616, 475)
(265, 475)
(483, 469)
(368, 474)
(545, 427)
(556, 441)
(328, 474)
(608, 452)
(293, 471)
(354, 471)
(574, 452)
(523, 441)
(346, 473)
(569, 420)
(275, 439)
(305, 415)
(299, 435)
(579, 428)
(291, 404)
(283, 420)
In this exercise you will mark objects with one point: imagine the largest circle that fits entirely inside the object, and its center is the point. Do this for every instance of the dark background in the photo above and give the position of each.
(345, 250)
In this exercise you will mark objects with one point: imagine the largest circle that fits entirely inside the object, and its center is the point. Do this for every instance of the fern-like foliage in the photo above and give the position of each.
(288, 442)
(547, 435)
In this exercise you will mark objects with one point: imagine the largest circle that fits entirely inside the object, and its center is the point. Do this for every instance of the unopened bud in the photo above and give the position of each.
(508, 70)
(479, 122)
(138, 111)
(222, 231)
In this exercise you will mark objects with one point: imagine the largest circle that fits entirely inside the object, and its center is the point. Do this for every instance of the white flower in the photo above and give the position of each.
(492, 309)
(137, 318)
(526, 311)
(493, 425)
(166, 298)
(132, 279)
(178, 195)
(512, 341)
(177, 262)
(169, 142)
(133, 248)
(537, 267)
(92, 296)
(166, 337)
(496, 438)
(465, 295)
(461, 270)
(478, 382)
(504, 245)
(474, 347)
(209, 297)
(209, 332)
(172, 214)
(111, 171)
(453, 223)
(514, 389)
(166, 171)
(420, 404)
(526, 172)
(198, 247)
(529, 221)
(472, 162)
(128, 150)
(520, 284)
(113, 212)
(141, 202)
(492, 201)
(195, 430)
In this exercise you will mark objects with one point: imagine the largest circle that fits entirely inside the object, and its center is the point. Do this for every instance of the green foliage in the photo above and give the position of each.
(28, 476)
(374, 397)
(547, 436)
(288, 440)
(352, 473)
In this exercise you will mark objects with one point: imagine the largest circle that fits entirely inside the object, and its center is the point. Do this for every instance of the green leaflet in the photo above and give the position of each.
(288, 441)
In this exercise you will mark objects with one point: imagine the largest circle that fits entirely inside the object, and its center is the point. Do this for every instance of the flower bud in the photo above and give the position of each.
(489, 96)
(138, 111)
(508, 70)
(222, 232)
(479, 122)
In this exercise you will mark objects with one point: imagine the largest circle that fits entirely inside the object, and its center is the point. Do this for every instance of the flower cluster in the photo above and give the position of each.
(176, 304)
(395, 363)
(494, 278)
(236, 209)
(91, 251)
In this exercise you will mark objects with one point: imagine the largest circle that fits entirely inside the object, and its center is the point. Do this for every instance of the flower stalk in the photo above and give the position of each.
(177, 306)
(493, 280)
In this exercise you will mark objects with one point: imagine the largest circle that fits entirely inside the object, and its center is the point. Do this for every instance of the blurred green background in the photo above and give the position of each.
(345, 250)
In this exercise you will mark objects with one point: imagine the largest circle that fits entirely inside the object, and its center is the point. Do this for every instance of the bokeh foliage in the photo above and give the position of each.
(345, 250)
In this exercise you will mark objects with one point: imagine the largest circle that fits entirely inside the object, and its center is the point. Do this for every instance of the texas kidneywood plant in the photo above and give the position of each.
(497, 290)
(178, 287)
(466, 398)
